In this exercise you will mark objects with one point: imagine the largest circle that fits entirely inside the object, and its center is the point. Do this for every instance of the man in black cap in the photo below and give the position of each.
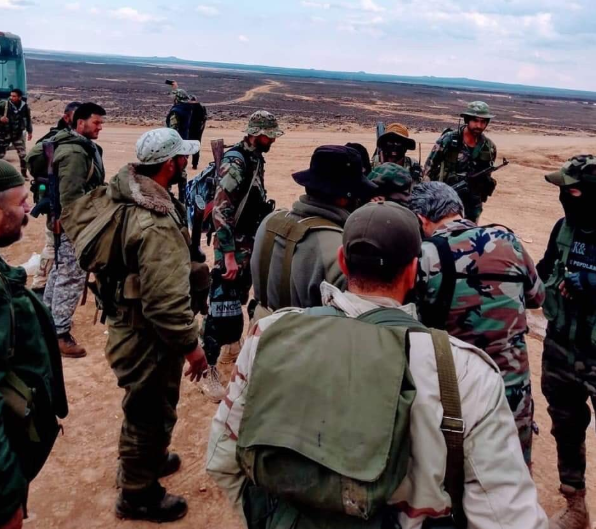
(322, 384)
(295, 251)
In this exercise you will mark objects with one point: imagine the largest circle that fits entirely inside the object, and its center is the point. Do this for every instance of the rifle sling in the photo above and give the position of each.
(452, 425)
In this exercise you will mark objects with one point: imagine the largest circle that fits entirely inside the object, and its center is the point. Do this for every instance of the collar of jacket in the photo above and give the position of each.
(129, 186)
(455, 225)
(353, 305)
(307, 206)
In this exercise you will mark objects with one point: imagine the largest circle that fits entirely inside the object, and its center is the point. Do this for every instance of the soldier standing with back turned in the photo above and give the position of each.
(459, 154)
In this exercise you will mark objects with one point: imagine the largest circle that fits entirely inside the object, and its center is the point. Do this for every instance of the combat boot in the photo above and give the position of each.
(230, 352)
(69, 348)
(171, 465)
(210, 385)
(575, 515)
(154, 505)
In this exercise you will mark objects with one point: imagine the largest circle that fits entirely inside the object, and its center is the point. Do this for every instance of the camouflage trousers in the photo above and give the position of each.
(568, 381)
(64, 286)
(150, 375)
(20, 147)
(521, 404)
(45, 263)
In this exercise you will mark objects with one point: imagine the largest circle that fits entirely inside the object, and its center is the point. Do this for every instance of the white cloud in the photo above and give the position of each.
(74, 6)
(132, 15)
(94, 11)
(316, 5)
(243, 38)
(371, 5)
(14, 4)
(208, 11)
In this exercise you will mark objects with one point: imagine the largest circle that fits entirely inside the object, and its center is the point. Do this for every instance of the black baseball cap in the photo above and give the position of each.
(336, 171)
(382, 235)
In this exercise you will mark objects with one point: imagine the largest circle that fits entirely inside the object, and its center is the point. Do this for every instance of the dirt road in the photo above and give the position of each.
(76, 488)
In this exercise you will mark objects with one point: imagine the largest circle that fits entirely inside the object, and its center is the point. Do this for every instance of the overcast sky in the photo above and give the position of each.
(538, 42)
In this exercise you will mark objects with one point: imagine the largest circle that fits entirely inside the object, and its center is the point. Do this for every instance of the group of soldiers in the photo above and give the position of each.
(384, 380)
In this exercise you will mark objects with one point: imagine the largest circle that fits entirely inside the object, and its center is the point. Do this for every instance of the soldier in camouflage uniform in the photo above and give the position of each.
(394, 183)
(569, 358)
(392, 146)
(458, 154)
(476, 282)
(240, 204)
(15, 119)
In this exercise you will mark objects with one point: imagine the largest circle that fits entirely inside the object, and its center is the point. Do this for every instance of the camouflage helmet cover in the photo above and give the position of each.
(263, 122)
(578, 169)
(477, 109)
(180, 95)
(391, 178)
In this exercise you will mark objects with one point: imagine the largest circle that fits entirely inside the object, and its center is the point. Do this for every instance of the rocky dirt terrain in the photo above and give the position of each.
(77, 486)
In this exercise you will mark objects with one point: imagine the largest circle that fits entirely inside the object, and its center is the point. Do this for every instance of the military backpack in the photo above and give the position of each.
(320, 449)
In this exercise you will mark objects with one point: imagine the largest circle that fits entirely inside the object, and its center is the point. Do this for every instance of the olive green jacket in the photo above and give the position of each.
(28, 347)
(78, 164)
(155, 249)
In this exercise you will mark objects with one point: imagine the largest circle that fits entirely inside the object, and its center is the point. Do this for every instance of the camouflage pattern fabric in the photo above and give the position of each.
(568, 381)
(263, 122)
(391, 178)
(451, 166)
(477, 109)
(19, 120)
(19, 145)
(521, 404)
(225, 322)
(488, 313)
(180, 95)
(409, 163)
(64, 286)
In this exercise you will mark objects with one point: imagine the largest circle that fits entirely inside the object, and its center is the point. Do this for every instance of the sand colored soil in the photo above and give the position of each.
(77, 486)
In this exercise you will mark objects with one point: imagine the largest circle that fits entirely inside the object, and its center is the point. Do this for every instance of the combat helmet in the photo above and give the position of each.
(263, 122)
(477, 109)
(576, 170)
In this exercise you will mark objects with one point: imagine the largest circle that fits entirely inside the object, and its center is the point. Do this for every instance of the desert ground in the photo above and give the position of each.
(77, 488)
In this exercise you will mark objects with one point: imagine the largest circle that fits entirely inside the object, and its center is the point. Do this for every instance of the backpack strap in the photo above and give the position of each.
(452, 425)
(436, 314)
(564, 240)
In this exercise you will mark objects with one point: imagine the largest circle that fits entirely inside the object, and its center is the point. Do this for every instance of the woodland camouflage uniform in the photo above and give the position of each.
(489, 314)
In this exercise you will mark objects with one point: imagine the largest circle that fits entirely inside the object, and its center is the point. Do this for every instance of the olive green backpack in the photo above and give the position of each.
(324, 438)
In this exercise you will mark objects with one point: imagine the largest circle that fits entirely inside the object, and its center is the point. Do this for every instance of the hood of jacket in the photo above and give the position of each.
(130, 186)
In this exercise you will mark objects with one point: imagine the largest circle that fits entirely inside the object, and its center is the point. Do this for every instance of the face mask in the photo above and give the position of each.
(579, 211)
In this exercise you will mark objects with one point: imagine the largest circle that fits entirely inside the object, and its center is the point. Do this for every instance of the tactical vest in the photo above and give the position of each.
(319, 448)
(568, 317)
(292, 231)
(452, 144)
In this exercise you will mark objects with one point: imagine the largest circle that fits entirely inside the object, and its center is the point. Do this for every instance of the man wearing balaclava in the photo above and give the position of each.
(569, 359)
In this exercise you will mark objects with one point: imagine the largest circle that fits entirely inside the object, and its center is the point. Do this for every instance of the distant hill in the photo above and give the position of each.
(441, 82)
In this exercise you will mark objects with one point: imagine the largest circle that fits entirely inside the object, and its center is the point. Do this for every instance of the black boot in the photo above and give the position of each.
(171, 465)
(153, 504)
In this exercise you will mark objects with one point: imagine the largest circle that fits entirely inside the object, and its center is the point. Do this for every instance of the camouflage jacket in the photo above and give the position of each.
(486, 312)
(450, 157)
(19, 119)
(237, 175)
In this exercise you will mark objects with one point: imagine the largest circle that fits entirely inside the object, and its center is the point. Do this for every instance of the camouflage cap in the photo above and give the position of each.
(159, 145)
(391, 179)
(263, 122)
(477, 109)
(399, 132)
(580, 168)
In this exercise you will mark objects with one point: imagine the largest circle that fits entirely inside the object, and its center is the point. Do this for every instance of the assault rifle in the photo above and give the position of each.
(480, 182)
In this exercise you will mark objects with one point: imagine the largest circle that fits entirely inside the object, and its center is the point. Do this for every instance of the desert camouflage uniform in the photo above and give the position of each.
(224, 323)
(19, 121)
(489, 313)
(442, 164)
